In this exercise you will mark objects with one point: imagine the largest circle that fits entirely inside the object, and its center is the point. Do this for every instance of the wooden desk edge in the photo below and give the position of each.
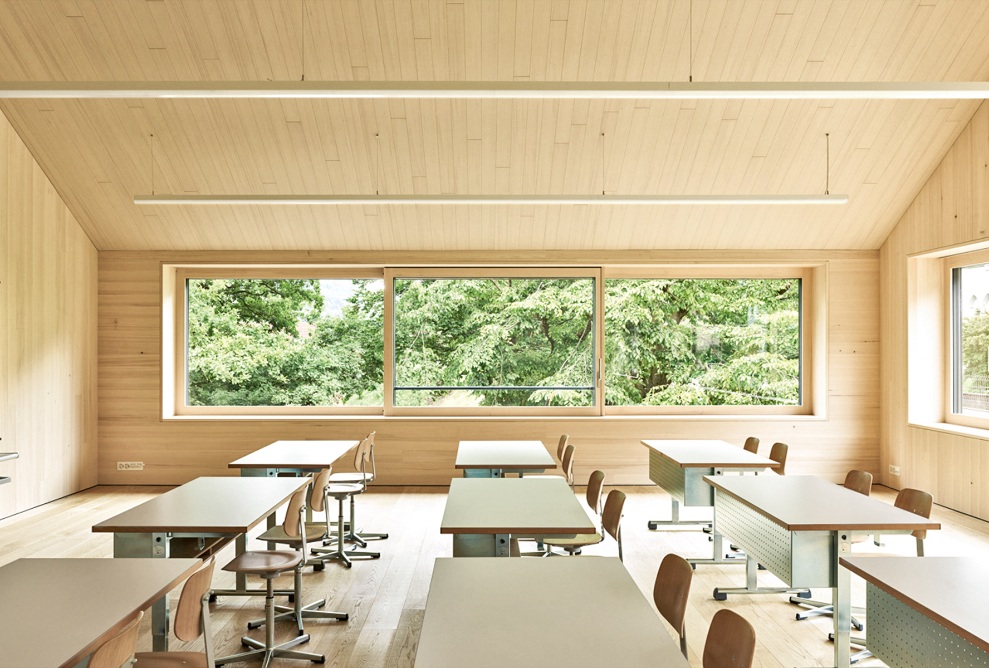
(981, 643)
(508, 467)
(551, 531)
(769, 463)
(92, 646)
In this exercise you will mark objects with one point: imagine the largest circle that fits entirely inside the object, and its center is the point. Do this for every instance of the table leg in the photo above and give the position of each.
(143, 545)
(752, 585)
(842, 617)
(674, 518)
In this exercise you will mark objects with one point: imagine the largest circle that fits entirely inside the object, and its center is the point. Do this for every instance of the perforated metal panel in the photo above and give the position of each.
(901, 636)
(667, 475)
(767, 541)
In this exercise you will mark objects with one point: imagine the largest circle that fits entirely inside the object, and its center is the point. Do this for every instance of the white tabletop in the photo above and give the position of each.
(540, 612)
(515, 455)
(514, 505)
(708, 454)
(57, 611)
(949, 590)
(295, 454)
(208, 505)
(809, 503)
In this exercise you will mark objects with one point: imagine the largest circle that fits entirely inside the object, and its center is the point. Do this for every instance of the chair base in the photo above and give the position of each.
(855, 642)
(344, 556)
(815, 608)
(259, 649)
(310, 611)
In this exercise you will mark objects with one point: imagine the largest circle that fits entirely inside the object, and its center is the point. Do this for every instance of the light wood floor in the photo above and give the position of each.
(386, 597)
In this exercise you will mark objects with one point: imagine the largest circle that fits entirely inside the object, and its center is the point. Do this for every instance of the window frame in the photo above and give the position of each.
(445, 272)
(952, 351)
(175, 387)
(809, 304)
(813, 334)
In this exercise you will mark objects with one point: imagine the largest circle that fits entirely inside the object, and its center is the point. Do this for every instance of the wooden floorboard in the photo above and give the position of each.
(386, 597)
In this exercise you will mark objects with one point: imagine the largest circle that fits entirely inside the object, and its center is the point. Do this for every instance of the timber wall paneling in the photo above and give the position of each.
(422, 450)
(951, 211)
(48, 270)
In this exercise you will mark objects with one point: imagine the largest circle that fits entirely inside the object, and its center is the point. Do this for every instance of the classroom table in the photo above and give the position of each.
(194, 519)
(925, 611)
(482, 514)
(493, 459)
(797, 527)
(679, 467)
(296, 458)
(540, 612)
(57, 612)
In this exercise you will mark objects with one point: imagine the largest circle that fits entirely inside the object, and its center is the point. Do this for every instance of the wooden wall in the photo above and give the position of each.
(47, 337)
(950, 213)
(422, 450)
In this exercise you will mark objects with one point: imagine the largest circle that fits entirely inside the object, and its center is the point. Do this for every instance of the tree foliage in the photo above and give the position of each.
(496, 342)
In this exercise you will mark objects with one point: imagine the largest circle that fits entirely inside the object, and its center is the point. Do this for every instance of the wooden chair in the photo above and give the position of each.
(119, 649)
(919, 503)
(343, 491)
(751, 445)
(573, 544)
(670, 593)
(315, 531)
(561, 446)
(364, 475)
(611, 517)
(566, 466)
(269, 564)
(730, 641)
(856, 481)
(778, 454)
(191, 621)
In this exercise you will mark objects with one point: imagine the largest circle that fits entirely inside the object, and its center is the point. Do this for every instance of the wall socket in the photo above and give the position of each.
(130, 466)
(894, 470)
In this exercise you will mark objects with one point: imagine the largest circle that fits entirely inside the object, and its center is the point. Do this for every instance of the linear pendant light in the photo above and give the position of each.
(488, 200)
(670, 90)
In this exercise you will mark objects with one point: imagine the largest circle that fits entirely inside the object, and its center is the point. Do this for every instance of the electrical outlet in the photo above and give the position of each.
(130, 466)
(894, 470)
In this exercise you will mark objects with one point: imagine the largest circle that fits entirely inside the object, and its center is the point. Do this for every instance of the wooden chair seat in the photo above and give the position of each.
(171, 660)
(352, 476)
(578, 540)
(267, 562)
(343, 490)
(314, 531)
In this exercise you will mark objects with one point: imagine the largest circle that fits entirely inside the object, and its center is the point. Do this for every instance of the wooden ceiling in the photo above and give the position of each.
(98, 153)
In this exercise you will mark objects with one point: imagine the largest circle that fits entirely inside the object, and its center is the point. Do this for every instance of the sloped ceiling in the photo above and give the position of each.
(99, 153)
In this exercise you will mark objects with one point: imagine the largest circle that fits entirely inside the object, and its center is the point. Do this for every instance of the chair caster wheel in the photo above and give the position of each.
(858, 627)
(291, 598)
(318, 567)
(652, 525)
(212, 598)
(718, 596)
(253, 625)
(693, 567)
(322, 659)
(804, 594)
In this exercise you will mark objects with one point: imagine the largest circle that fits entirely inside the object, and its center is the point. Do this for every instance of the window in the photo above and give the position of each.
(969, 339)
(468, 342)
(582, 341)
(707, 340)
(285, 343)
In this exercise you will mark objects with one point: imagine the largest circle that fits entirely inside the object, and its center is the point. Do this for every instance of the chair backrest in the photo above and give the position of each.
(611, 517)
(751, 445)
(561, 446)
(294, 523)
(192, 613)
(318, 498)
(778, 454)
(670, 593)
(567, 463)
(359, 454)
(859, 481)
(730, 641)
(594, 485)
(369, 455)
(918, 503)
(118, 649)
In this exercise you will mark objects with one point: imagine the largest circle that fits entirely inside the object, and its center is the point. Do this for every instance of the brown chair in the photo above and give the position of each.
(670, 593)
(730, 641)
(119, 649)
(856, 481)
(573, 544)
(364, 475)
(191, 621)
(342, 491)
(751, 445)
(611, 517)
(561, 446)
(919, 503)
(778, 454)
(269, 564)
(566, 466)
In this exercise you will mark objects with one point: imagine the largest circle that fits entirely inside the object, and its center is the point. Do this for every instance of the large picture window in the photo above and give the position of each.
(582, 341)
